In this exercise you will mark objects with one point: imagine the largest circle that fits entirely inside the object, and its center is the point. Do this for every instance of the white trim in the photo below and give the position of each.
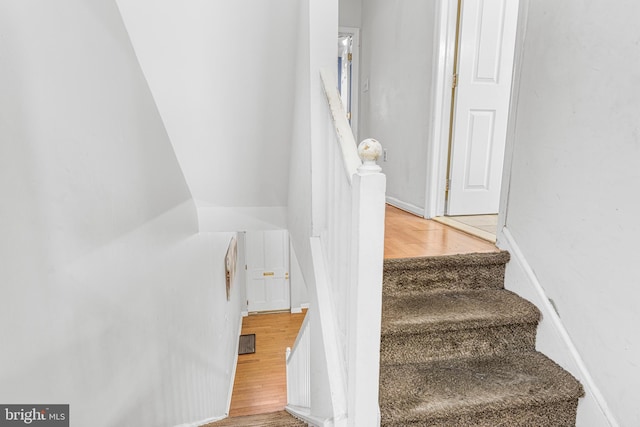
(465, 228)
(507, 242)
(244, 313)
(444, 46)
(300, 308)
(523, 12)
(416, 210)
(233, 370)
(304, 415)
(355, 78)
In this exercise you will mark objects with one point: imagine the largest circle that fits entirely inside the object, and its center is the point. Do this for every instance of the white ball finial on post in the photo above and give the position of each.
(369, 151)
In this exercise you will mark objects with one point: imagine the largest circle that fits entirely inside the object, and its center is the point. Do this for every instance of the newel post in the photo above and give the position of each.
(365, 295)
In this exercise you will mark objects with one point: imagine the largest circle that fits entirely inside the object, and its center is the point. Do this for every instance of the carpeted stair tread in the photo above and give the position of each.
(410, 314)
(432, 326)
(458, 350)
(447, 261)
(482, 391)
(447, 273)
(273, 419)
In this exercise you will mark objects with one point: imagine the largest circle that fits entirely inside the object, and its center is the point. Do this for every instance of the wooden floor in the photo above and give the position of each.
(409, 236)
(259, 385)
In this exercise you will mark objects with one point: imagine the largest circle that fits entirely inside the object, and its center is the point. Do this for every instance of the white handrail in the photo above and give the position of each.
(346, 141)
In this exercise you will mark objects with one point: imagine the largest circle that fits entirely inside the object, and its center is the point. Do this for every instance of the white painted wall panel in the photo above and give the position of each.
(350, 13)
(221, 74)
(573, 204)
(397, 62)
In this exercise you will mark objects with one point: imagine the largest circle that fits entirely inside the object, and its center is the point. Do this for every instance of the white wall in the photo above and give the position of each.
(221, 73)
(397, 62)
(350, 13)
(315, 49)
(572, 207)
(259, 218)
(111, 301)
(299, 209)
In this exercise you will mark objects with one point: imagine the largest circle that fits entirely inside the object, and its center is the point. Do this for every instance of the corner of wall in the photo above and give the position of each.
(220, 219)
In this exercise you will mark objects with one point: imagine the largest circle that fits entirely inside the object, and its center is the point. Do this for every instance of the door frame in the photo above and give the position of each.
(441, 102)
(444, 49)
(355, 77)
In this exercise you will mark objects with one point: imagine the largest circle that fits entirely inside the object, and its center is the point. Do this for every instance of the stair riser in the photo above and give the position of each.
(429, 346)
(413, 281)
(556, 414)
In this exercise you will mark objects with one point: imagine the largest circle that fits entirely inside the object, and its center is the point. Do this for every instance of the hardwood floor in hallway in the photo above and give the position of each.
(409, 236)
(259, 385)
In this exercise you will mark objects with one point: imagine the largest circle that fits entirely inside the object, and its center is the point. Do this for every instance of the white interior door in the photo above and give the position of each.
(485, 67)
(267, 258)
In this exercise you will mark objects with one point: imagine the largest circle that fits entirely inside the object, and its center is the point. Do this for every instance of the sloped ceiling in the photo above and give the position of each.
(221, 74)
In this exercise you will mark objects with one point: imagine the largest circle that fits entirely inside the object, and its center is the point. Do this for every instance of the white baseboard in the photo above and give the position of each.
(299, 309)
(553, 339)
(405, 206)
(484, 235)
(233, 370)
(304, 415)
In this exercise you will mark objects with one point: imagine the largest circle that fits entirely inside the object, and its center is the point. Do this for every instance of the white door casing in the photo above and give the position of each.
(485, 67)
(267, 259)
(355, 72)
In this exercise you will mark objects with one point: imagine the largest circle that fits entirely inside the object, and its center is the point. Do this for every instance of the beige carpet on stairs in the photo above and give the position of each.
(458, 350)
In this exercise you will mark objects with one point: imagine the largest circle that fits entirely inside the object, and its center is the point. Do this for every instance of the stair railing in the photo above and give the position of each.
(348, 257)
(299, 370)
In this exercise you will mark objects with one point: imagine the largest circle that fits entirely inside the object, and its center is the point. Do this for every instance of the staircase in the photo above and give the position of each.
(457, 349)
(273, 419)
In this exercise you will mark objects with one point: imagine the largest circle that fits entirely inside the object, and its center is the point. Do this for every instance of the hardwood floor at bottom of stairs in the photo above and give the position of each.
(260, 382)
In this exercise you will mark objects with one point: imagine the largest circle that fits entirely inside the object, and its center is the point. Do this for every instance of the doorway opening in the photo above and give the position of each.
(481, 37)
(348, 69)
